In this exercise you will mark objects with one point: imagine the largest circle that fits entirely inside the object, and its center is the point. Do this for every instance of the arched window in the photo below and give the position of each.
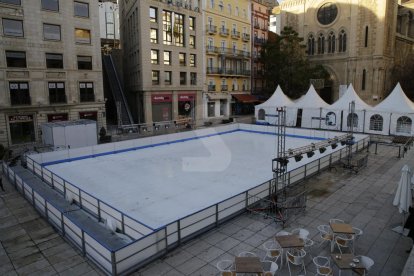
(352, 119)
(261, 115)
(366, 36)
(404, 124)
(331, 42)
(321, 44)
(364, 79)
(376, 122)
(311, 45)
(342, 41)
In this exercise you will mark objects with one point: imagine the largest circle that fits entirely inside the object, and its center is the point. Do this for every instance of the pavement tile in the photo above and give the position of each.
(177, 257)
(190, 266)
(35, 267)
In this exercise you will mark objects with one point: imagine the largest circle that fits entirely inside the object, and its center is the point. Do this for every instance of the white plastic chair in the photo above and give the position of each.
(247, 254)
(273, 251)
(225, 267)
(323, 266)
(297, 258)
(325, 233)
(367, 262)
(269, 268)
(344, 242)
(301, 232)
(282, 233)
(336, 221)
(308, 244)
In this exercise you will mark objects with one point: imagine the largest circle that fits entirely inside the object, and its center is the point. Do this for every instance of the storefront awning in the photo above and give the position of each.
(245, 98)
(217, 96)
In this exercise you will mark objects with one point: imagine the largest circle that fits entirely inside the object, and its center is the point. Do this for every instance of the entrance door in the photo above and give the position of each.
(299, 118)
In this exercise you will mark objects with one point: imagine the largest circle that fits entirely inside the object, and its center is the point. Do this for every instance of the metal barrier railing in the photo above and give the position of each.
(159, 241)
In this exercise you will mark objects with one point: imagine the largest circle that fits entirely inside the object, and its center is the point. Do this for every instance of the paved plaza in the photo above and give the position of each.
(29, 245)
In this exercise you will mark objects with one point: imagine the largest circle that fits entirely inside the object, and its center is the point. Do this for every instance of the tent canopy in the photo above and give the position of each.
(396, 102)
(310, 100)
(278, 99)
(349, 96)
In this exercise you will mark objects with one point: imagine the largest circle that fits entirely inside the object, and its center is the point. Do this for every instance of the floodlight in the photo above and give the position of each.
(334, 145)
(298, 157)
(322, 149)
(310, 154)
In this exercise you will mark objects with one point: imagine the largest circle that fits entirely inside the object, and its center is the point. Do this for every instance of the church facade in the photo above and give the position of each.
(357, 41)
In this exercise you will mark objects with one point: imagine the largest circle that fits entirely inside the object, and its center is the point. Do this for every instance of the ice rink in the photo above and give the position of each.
(160, 184)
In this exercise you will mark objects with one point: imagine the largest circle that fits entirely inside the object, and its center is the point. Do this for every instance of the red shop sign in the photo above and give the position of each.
(186, 97)
(90, 115)
(20, 118)
(57, 117)
(161, 98)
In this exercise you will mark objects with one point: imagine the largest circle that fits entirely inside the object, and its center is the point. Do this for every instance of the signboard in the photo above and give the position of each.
(58, 117)
(90, 115)
(161, 98)
(186, 97)
(318, 83)
(20, 118)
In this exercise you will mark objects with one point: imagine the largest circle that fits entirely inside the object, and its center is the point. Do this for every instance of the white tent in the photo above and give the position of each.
(311, 105)
(396, 113)
(265, 113)
(338, 117)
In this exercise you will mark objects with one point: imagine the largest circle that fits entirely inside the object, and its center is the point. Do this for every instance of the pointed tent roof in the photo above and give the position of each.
(310, 100)
(397, 101)
(349, 96)
(277, 99)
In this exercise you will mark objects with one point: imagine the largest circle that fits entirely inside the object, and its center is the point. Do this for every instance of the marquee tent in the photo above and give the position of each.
(309, 108)
(337, 115)
(265, 113)
(394, 115)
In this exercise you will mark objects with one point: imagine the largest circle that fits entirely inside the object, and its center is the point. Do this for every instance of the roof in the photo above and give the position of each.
(349, 96)
(397, 102)
(277, 99)
(245, 98)
(310, 100)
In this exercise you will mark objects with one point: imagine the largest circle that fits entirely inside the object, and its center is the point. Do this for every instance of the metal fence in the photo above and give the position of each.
(149, 243)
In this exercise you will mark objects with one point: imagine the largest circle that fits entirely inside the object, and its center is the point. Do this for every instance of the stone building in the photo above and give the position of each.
(358, 42)
(163, 58)
(50, 66)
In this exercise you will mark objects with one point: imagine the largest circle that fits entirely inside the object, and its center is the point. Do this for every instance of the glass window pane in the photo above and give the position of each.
(50, 5)
(16, 59)
(153, 14)
(81, 9)
(85, 62)
(14, 2)
(83, 36)
(12, 27)
(51, 32)
(54, 60)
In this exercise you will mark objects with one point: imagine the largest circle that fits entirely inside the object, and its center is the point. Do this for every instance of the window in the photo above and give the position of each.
(321, 44)
(84, 62)
(262, 114)
(237, 11)
(19, 93)
(16, 59)
(342, 41)
(167, 58)
(211, 109)
(331, 43)
(327, 13)
(83, 36)
(364, 79)
(311, 45)
(14, 2)
(12, 27)
(154, 35)
(366, 36)
(352, 120)
(191, 23)
(192, 60)
(81, 9)
(191, 41)
(221, 5)
(51, 32)
(153, 14)
(57, 92)
(404, 124)
(54, 60)
(212, 4)
(50, 5)
(178, 29)
(193, 78)
(183, 78)
(155, 76)
(181, 58)
(154, 56)
(86, 92)
(229, 8)
(167, 77)
(376, 122)
(223, 107)
(167, 27)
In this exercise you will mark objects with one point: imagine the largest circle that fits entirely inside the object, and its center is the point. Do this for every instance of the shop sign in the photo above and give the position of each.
(20, 118)
(160, 98)
(186, 97)
(90, 115)
(57, 117)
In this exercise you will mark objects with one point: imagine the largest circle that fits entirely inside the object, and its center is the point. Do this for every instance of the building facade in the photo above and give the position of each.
(227, 38)
(163, 64)
(260, 28)
(50, 66)
(356, 41)
(109, 23)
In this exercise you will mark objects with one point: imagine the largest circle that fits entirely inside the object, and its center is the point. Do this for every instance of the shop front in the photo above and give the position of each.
(161, 107)
(57, 117)
(186, 105)
(22, 129)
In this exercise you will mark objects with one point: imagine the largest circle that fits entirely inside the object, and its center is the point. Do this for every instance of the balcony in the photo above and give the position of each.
(211, 87)
(57, 99)
(246, 37)
(233, 52)
(224, 87)
(20, 99)
(228, 71)
(235, 34)
(259, 41)
(224, 32)
(211, 29)
(211, 49)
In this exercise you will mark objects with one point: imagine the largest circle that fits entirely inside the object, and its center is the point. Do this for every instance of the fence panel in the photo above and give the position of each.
(231, 206)
(197, 221)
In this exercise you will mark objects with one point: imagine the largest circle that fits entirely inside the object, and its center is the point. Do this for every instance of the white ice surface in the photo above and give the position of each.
(159, 185)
